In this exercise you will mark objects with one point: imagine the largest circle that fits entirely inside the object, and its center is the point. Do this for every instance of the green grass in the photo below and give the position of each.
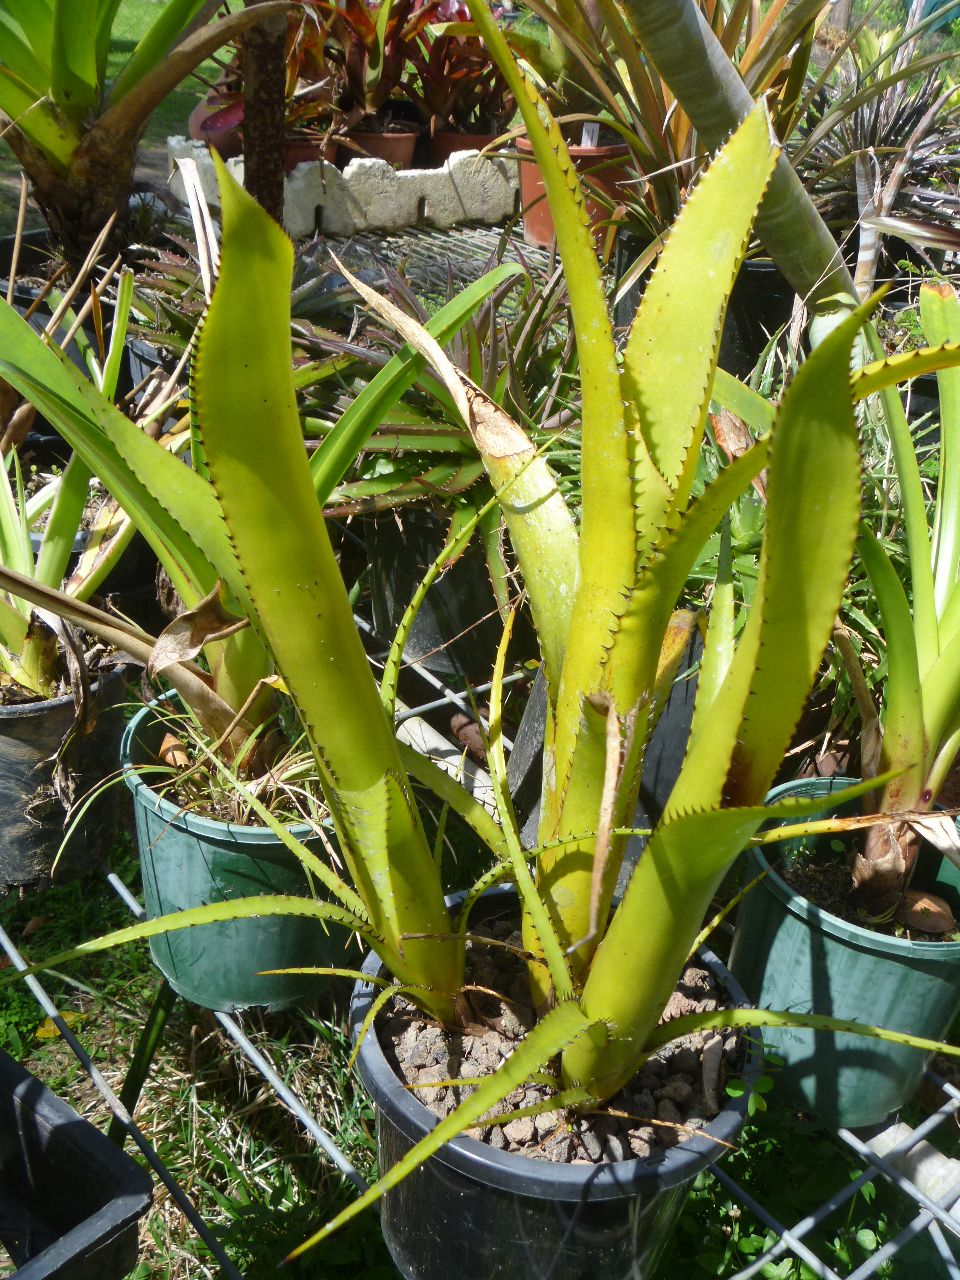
(132, 20)
(256, 1179)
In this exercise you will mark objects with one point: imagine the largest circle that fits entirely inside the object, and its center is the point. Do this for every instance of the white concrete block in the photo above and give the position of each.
(375, 196)
(470, 188)
(337, 213)
(235, 169)
(306, 190)
(370, 195)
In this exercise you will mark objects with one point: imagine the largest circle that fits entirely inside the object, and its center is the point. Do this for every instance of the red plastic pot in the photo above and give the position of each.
(606, 169)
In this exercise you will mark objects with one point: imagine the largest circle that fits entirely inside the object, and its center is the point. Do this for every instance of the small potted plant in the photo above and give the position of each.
(370, 47)
(230, 709)
(309, 91)
(60, 699)
(235, 706)
(459, 90)
(882, 944)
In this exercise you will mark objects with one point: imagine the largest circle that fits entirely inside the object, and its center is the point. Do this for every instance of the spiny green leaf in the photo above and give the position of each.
(812, 514)
(246, 405)
(672, 349)
(690, 1023)
(237, 909)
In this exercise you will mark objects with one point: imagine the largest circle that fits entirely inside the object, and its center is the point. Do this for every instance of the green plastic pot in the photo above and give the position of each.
(789, 954)
(190, 861)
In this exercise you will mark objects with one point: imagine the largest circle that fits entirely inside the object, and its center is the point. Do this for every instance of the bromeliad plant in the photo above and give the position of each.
(371, 46)
(876, 141)
(914, 737)
(595, 62)
(917, 735)
(74, 132)
(602, 593)
(309, 85)
(31, 650)
(456, 84)
(233, 696)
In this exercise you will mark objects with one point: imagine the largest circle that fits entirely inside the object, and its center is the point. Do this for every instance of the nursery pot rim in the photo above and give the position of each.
(124, 1188)
(40, 706)
(525, 1175)
(833, 926)
(174, 815)
(603, 151)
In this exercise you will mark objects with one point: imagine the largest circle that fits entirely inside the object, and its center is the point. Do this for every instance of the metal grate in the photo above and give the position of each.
(934, 1216)
(429, 259)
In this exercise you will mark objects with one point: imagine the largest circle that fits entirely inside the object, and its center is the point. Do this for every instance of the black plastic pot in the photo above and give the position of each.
(472, 1211)
(760, 303)
(69, 1198)
(458, 627)
(33, 817)
(187, 860)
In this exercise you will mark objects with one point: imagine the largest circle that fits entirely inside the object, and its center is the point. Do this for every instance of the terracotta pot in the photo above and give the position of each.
(447, 141)
(395, 148)
(604, 168)
(305, 150)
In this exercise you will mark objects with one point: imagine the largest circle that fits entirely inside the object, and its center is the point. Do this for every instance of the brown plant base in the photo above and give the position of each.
(15, 695)
(828, 886)
(676, 1092)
